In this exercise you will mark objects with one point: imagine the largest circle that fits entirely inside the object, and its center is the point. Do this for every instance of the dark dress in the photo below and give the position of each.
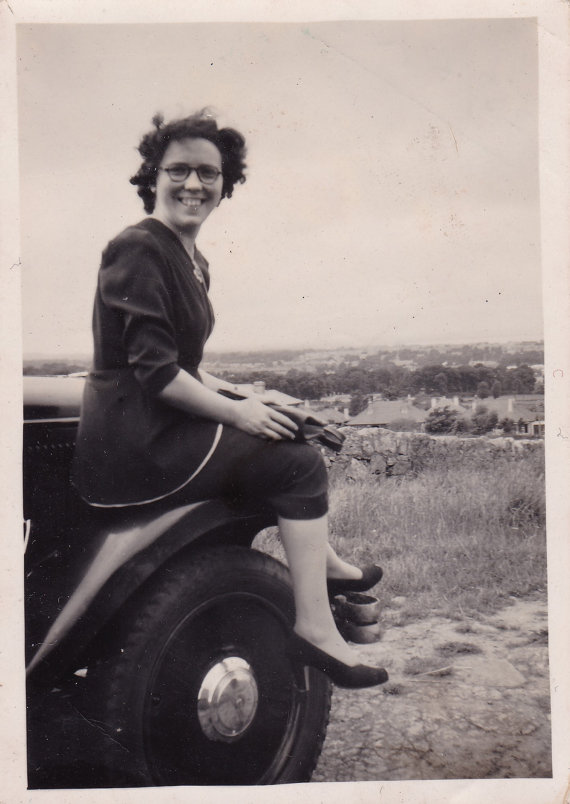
(151, 318)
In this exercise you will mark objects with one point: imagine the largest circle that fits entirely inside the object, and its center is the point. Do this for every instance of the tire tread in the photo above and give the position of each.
(115, 675)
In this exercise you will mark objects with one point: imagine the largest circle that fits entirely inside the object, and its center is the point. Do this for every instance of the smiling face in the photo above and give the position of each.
(183, 206)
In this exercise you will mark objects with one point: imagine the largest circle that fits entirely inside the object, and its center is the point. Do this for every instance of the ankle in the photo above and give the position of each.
(316, 635)
(333, 645)
(344, 572)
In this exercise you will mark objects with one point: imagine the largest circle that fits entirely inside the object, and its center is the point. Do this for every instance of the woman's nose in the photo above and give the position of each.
(193, 182)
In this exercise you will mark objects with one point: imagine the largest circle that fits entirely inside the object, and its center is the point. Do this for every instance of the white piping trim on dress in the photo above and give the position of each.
(215, 443)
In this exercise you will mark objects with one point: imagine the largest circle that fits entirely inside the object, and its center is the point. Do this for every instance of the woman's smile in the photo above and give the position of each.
(190, 201)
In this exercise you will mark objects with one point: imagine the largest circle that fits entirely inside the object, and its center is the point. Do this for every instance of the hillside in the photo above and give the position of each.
(483, 369)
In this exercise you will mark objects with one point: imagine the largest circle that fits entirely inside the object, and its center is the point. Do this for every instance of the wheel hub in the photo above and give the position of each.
(227, 700)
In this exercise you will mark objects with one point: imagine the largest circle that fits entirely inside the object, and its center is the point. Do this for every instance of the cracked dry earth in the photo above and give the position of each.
(466, 699)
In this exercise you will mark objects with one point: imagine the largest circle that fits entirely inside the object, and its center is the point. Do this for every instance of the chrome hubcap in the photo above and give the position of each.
(227, 700)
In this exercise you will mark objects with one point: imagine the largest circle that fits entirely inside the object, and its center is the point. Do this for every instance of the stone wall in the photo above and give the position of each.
(374, 451)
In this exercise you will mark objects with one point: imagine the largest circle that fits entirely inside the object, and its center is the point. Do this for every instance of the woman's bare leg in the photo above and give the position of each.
(305, 543)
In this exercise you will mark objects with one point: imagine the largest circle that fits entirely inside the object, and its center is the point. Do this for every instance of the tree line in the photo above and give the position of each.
(394, 382)
(362, 380)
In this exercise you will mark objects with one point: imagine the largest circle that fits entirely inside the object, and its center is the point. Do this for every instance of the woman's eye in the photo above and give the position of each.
(178, 172)
(207, 172)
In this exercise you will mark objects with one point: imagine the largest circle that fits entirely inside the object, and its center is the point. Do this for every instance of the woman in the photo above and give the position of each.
(153, 424)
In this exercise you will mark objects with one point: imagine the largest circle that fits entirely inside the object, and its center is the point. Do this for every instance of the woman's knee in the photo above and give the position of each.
(306, 466)
(303, 488)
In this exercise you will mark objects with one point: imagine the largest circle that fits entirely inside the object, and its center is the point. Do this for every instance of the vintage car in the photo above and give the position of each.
(155, 636)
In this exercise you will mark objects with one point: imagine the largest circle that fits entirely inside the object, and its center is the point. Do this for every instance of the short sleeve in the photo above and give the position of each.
(134, 284)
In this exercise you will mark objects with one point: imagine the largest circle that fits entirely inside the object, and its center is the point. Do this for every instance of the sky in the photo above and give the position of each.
(392, 189)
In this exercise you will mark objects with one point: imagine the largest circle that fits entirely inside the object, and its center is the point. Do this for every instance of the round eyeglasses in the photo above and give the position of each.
(207, 174)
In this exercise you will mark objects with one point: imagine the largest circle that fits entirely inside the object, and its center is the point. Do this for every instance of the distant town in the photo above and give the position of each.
(474, 388)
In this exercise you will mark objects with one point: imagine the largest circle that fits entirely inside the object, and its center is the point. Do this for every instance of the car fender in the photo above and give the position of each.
(126, 552)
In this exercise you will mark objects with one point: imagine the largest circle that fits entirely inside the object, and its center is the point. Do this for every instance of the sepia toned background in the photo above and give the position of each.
(392, 192)
(86, 212)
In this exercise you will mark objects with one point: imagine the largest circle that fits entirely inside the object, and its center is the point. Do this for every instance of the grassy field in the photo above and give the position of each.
(454, 541)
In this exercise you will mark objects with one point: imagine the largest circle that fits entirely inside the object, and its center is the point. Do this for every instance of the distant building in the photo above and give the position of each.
(486, 363)
(537, 429)
(383, 412)
(332, 415)
(527, 412)
(445, 402)
(258, 387)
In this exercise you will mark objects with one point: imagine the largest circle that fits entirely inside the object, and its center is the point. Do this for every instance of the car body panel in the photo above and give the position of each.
(51, 398)
(124, 554)
(82, 564)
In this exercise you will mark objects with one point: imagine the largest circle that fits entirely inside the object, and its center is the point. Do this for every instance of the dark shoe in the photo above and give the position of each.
(303, 653)
(371, 574)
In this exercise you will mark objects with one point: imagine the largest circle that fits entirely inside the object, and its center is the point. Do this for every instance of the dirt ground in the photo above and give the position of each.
(466, 699)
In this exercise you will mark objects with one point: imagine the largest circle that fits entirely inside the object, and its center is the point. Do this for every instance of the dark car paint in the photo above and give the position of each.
(82, 565)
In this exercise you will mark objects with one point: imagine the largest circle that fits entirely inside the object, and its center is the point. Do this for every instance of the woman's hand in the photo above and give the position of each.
(270, 397)
(254, 417)
(250, 414)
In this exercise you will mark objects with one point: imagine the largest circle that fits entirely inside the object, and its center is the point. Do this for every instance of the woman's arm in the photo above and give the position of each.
(250, 414)
(216, 384)
(134, 283)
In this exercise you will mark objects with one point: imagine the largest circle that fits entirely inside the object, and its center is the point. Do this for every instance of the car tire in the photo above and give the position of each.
(197, 689)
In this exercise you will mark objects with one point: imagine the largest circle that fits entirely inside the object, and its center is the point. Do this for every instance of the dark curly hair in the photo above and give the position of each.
(153, 145)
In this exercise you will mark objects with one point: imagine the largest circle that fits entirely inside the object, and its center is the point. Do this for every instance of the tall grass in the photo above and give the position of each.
(458, 541)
